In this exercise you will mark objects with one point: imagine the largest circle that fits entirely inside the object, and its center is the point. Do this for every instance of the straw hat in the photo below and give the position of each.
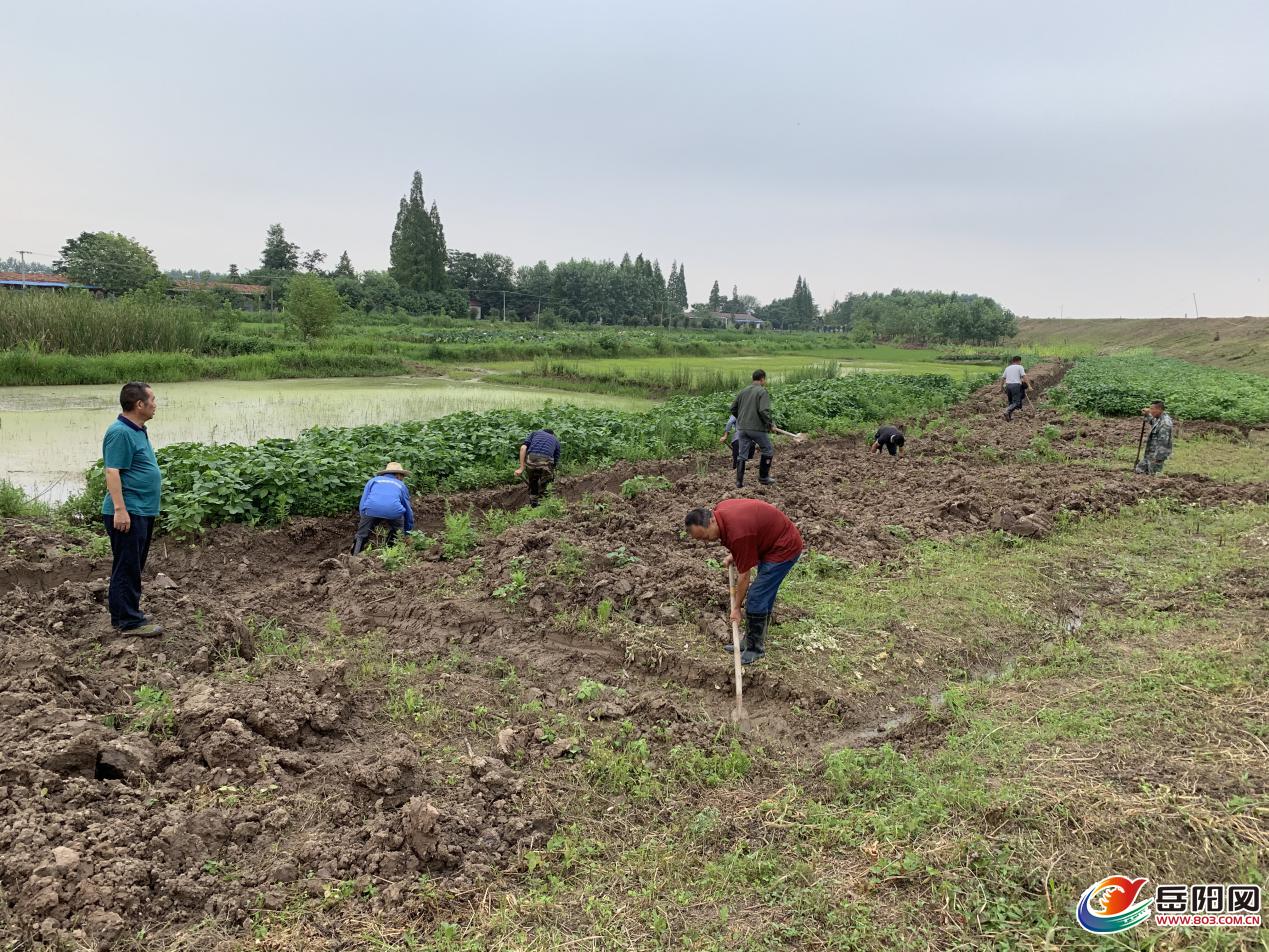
(393, 469)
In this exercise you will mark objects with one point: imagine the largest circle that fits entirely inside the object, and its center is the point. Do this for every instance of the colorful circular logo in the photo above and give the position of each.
(1112, 905)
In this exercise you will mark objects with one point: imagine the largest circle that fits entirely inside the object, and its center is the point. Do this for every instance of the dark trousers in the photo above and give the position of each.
(539, 472)
(368, 524)
(1015, 393)
(751, 438)
(129, 550)
(893, 450)
(735, 451)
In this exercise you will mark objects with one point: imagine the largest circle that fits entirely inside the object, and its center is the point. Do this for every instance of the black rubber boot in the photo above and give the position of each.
(764, 471)
(740, 474)
(744, 641)
(756, 642)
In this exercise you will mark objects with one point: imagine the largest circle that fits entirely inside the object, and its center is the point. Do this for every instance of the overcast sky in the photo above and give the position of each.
(1095, 158)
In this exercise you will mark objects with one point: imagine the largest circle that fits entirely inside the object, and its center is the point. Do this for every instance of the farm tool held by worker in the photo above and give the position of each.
(739, 716)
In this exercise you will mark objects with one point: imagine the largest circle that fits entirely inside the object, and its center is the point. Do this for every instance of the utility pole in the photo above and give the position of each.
(504, 305)
(23, 255)
(1194, 294)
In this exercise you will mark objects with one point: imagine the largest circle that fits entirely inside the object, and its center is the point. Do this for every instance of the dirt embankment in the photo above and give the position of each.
(286, 760)
(1236, 343)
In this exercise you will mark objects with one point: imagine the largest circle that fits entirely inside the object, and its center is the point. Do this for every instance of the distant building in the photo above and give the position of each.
(743, 319)
(17, 281)
(249, 297)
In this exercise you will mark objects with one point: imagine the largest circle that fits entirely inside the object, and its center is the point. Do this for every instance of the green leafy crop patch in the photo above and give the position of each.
(1122, 385)
(322, 472)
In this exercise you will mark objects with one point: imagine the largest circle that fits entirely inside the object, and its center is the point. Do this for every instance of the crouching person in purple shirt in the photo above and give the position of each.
(385, 501)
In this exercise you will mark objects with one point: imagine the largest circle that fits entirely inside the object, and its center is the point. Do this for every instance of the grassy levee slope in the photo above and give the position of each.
(1239, 343)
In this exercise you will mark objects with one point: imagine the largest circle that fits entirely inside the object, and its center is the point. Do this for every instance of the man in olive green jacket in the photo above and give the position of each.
(752, 410)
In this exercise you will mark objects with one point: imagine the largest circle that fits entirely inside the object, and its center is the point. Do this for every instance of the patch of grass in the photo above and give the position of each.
(1227, 459)
(408, 703)
(570, 565)
(498, 521)
(623, 768)
(154, 711)
(691, 766)
(273, 641)
(637, 485)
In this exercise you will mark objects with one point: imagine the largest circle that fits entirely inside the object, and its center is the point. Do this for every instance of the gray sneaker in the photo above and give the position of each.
(149, 630)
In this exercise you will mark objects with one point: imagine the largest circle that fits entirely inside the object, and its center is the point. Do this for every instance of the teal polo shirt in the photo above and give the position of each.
(127, 448)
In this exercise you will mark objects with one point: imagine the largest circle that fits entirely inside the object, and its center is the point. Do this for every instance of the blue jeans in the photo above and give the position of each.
(761, 596)
(129, 550)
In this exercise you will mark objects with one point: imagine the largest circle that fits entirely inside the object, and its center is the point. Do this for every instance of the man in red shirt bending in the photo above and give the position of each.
(755, 533)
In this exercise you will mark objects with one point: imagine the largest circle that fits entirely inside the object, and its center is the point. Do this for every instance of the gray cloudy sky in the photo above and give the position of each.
(1107, 158)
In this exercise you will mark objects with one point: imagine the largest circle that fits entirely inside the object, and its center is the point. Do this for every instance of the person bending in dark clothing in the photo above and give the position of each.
(889, 437)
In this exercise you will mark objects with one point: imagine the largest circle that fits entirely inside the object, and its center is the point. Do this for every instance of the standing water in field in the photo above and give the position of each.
(50, 435)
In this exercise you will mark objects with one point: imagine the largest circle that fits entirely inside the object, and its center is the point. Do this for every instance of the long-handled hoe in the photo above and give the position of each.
(738, 716)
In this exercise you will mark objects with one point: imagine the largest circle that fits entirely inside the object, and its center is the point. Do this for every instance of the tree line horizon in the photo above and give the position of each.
(425, 276)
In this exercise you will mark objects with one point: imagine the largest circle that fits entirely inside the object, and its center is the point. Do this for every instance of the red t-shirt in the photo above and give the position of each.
(755, 531)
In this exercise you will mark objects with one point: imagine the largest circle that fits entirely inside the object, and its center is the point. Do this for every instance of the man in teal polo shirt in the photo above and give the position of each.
(133, 485)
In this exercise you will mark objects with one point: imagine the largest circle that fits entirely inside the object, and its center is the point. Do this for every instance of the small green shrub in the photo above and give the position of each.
(515, 589)
(603, 612)
(588, 690)
(397, 556)
(619, 557)
(14, 503)
(154, 711)
(460, 535)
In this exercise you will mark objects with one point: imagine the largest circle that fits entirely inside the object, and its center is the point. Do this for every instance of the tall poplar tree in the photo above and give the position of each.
(440, 254)
(279, 254)
(715, 299)
(417, 252)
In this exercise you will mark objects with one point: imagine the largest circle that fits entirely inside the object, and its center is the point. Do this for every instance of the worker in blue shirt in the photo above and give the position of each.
(539, 455)
(733, 430)
(385, 501)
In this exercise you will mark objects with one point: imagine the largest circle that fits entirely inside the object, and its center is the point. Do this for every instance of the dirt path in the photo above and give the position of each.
(333, 722)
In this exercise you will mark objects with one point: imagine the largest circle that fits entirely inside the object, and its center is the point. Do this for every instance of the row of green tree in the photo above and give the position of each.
(427, 277)
(935, 317)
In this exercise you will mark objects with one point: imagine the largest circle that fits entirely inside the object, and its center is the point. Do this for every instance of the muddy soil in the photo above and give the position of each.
(280, 767)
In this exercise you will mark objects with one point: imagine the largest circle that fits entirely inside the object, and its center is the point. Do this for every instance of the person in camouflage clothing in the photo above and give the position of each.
(1159, 442)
